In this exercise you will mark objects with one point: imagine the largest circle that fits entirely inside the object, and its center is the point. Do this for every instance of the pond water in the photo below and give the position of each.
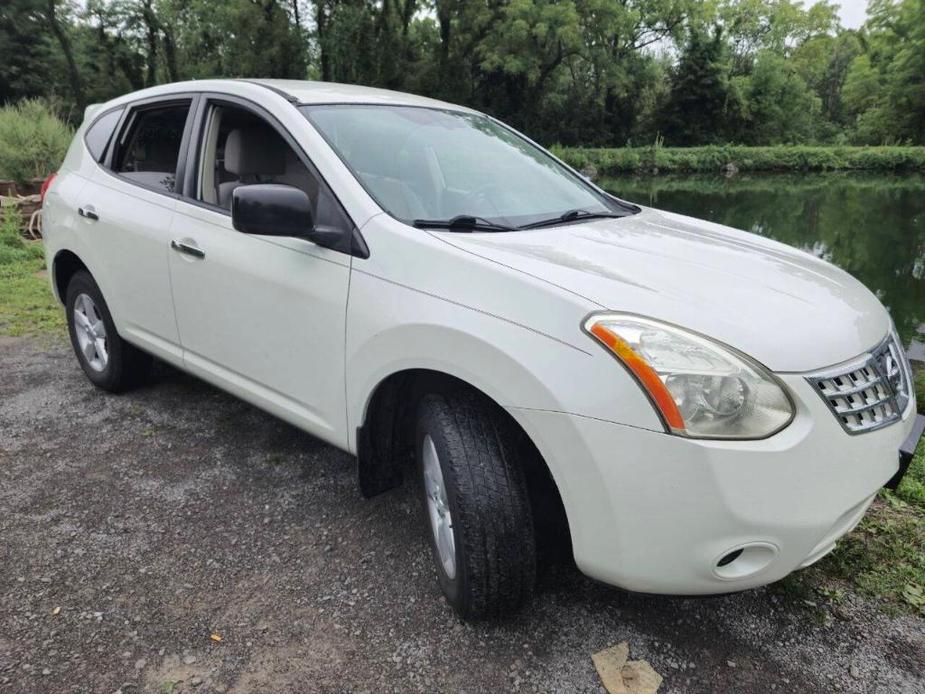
(873, 226)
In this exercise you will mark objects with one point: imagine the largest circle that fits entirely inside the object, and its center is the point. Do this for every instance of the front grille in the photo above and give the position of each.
(870, 393)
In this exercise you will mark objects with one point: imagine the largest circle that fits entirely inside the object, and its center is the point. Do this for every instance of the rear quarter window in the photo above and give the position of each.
(100, 133)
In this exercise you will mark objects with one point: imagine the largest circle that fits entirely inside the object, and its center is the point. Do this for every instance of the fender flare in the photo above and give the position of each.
(481, 364)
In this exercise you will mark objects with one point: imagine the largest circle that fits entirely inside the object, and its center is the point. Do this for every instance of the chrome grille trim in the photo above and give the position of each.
(870, 392)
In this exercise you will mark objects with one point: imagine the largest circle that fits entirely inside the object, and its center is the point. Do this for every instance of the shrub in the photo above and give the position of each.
(12, 246)
(33, 140)
(712, 158)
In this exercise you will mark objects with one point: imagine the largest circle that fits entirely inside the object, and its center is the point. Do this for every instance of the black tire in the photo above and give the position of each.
(126, 366)
(492, 522)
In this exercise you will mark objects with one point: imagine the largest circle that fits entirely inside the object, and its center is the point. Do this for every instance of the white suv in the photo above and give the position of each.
(696, 409)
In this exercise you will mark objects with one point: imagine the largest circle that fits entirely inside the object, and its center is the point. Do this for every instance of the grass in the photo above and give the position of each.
(712, 159)
(27, 306)
(885, 557)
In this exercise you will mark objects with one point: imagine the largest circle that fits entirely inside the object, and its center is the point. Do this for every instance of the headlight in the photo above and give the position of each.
(700, 388)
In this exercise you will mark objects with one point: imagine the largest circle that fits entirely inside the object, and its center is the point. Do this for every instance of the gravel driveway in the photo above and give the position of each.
(134, 528)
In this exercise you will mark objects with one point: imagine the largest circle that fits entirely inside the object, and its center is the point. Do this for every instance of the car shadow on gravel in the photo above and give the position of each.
(176, 538)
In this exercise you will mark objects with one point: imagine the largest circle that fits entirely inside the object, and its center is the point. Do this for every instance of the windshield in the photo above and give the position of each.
(423, 165)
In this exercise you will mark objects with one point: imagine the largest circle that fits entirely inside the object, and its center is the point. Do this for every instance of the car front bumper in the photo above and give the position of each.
(657, 513)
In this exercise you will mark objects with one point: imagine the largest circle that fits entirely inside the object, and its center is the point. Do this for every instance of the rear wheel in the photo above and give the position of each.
(108, 361)
(476, 505)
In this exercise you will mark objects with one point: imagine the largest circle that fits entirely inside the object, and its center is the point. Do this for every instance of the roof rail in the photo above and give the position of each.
(276, 90)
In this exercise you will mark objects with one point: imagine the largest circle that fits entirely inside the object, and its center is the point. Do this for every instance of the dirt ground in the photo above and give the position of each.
(134, 528)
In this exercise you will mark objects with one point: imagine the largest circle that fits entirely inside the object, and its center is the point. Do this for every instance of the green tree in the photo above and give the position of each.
(884, 90)
(695, 113)
(373, 43)
(823, 61)
(593, 72)
(619, 82)
(781, 107)
(235, 38)
(26, 53)
(776, 25)
(521, 54)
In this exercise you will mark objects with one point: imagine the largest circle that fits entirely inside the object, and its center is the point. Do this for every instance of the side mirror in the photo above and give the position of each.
(272, 209)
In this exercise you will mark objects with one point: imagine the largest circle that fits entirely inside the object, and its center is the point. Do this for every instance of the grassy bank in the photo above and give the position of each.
(713, 159)
(764, 184)
(27, 306)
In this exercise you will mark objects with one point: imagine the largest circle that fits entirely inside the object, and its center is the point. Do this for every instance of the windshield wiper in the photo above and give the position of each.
(462, 222)
(571, 216)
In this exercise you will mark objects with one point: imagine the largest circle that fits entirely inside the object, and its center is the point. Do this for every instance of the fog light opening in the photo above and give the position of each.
(744, 561)
(729, 558)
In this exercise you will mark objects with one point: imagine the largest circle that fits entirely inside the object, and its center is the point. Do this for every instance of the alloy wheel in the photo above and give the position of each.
(91, 332)
(438, 508)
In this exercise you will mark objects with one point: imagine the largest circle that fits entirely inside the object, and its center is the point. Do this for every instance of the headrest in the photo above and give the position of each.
(254, 150)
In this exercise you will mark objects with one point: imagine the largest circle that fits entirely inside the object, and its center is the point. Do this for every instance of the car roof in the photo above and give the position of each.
(296, 91)
(310, 92)
(301, 92)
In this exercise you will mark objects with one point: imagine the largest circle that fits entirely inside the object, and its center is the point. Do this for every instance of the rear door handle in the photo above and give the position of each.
(188, 249)
(88, 212)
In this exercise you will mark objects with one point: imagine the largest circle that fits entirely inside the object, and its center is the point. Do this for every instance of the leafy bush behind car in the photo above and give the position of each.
(27, 306)
(13, 248)
(33, 140)
(714, 159)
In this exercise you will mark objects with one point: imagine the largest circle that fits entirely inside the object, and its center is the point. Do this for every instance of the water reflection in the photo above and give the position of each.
(873, 226)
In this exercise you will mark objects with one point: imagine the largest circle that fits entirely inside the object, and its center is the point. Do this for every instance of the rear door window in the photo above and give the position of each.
(149, 146)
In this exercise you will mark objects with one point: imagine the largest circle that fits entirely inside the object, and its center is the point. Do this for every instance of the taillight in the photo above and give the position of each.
(45, 185)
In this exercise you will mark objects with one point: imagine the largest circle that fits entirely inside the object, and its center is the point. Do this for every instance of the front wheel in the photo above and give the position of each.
(476, 505)
(109, 362)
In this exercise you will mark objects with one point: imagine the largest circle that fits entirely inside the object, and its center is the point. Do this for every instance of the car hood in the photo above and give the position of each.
(786, 308)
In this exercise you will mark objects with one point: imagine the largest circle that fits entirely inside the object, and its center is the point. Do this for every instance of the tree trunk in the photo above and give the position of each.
(147, 14)
(65, 43)
(130, 64)
(407, 12)
(444, 20)
(105, 43)
(170, 52)
(321, 22)
(296, 18)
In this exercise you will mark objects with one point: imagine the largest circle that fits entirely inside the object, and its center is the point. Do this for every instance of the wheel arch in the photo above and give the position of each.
(63, 267)
(385, 445)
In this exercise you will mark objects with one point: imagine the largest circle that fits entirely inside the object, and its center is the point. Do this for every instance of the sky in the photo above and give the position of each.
(852, 12)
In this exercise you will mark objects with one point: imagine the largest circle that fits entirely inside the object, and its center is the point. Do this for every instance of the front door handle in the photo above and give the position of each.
(88, 212)
(187, 249)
